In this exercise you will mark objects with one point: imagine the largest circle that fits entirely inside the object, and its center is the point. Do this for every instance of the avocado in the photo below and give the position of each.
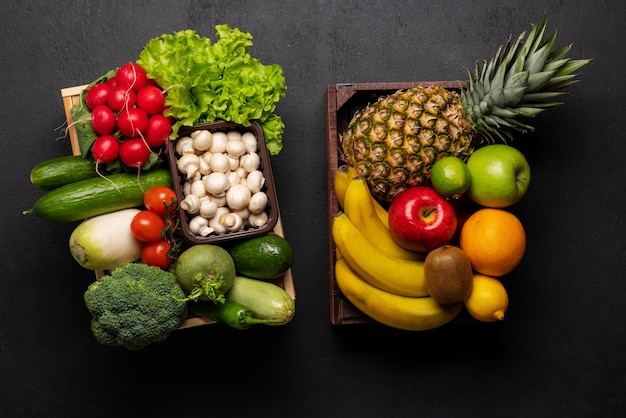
(448, 274)
(265, 257)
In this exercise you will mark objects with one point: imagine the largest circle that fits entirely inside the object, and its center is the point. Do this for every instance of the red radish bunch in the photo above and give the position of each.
(127, 117)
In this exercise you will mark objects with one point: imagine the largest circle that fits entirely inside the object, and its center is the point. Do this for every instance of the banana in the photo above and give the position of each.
(392, 274)
(342, 179)
(382, 213)
(359, 207)
(407, 313)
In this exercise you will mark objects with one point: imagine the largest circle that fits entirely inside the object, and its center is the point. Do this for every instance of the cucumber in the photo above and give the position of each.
(265, 257)
(57, 172)
(98, 195)
(265, 299)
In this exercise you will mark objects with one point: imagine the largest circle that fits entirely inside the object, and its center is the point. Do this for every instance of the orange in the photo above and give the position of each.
(494, 240)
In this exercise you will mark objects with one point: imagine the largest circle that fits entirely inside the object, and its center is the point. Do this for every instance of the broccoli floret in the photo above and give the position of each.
(135, 305)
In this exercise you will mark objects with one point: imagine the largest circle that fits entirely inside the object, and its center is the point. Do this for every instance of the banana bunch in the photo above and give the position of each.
(379, 277)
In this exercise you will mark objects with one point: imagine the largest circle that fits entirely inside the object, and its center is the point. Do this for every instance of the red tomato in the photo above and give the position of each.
(155, 254)
(156, 197)
(146, 226)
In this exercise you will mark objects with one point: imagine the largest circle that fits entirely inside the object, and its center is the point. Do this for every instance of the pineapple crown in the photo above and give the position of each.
(522, 79)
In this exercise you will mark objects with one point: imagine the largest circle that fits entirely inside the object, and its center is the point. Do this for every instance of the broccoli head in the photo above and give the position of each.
(135, 305)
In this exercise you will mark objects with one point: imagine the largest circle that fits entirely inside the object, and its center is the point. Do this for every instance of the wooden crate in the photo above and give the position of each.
(342, 101)
(71, 97)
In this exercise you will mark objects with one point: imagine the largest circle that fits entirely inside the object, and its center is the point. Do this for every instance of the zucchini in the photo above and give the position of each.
(98, 195)
(57, 172)
(265, 300)
(230, 313)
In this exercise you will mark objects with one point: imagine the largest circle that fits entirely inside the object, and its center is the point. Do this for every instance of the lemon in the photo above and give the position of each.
(488, 301)
(450, 177)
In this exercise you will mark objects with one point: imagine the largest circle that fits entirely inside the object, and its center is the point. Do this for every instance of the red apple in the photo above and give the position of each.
(421, 220)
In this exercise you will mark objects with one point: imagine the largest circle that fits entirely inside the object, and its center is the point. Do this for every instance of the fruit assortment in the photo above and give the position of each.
(424, 228)
(121, 190)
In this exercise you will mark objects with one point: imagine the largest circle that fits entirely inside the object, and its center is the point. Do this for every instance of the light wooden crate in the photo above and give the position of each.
(71, 97)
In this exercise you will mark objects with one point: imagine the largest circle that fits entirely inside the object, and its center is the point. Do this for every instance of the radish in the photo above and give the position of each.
(132, 122)
(159, 129)
(131, 76)
(151, 100)
(134, 152)
(103, 120)
(152, 82)
(98, 94)
(105, 149)
(121, 97)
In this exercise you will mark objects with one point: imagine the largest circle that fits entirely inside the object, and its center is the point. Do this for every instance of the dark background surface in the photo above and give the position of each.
(560, 353)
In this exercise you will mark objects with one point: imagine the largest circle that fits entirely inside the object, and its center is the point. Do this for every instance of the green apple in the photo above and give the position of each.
(500, 175)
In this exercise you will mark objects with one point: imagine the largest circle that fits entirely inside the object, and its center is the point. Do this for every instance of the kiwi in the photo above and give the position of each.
(448, 274)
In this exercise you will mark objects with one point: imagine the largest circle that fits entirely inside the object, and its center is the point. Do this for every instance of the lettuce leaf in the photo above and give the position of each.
(208, 81)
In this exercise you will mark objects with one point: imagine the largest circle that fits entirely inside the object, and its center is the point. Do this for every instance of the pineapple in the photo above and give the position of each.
(394, 141)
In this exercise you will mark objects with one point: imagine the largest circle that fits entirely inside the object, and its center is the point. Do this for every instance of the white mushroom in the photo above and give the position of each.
(234, 136)
(258, 219)
(258, 203)
(184, 145)
(255, 181)
(250, 141)
(204, 168)
(197, 188)
(206, 156)
(186, 188)
(219, 200)
(202, 139)
(188, 164)
(238, 196)
(199, 225)
(214, 222)
(216, 183)
(250, 161)
(233, 178)
(219, 142)
(241, 172)
(244, 213)
(190, 204)
(196, 176)
(233, 163)
(231, 221)
(208, 208)
(219, 162)
(235, 149)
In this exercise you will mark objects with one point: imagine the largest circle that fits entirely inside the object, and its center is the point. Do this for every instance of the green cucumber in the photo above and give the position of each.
(60, 171)
(265, 257)
(230, 313)
(98, 195)
(266, 300)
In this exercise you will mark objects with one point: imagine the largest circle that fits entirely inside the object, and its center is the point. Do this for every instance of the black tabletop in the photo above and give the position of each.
(559, 353)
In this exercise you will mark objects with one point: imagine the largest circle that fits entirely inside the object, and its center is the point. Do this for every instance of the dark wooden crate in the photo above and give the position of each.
(342, 101)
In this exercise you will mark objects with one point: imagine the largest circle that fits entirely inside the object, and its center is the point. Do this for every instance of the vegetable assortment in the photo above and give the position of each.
(128, 228)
